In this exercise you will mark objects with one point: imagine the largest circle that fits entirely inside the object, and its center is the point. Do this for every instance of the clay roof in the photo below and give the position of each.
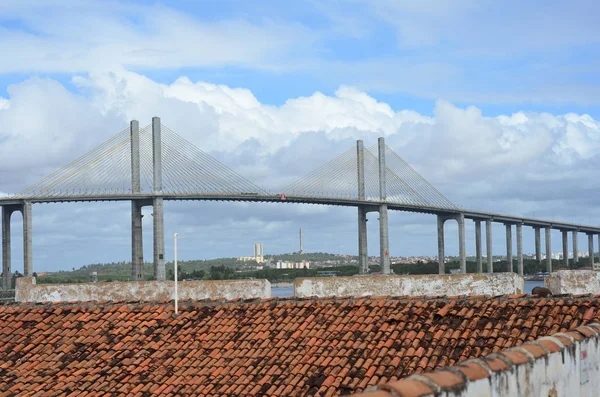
(456, 378)
(322, 347)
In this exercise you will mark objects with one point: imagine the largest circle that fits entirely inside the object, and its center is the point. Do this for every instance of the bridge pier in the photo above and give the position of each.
(460, 219)
(157, 203)
(6, 254)
(520, 249)
(384, 238)
(591, 249)
(7, 211)
(137, 248)
(575, 248)
(488, 245)
(548, 250)
(538, 246)
(565, 247)
(441, 255)
(478, 254)
(363, 252)
(27, 240)
(509, 255)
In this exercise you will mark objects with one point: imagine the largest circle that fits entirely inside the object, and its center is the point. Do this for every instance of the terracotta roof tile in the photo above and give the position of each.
(327, 346)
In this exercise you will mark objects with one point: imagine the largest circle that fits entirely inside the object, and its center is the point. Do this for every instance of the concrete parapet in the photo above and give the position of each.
(416, 285)
(574, 282)
(28, 291)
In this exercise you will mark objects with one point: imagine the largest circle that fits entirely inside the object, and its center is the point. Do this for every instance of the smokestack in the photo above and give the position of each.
(300, 241)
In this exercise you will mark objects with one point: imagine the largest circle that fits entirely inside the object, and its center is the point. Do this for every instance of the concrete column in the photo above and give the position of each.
(27, 240)
(363, 256)
(548, 250)
(382, 170)
(157, 203)
(488, 245)
(6, 265)
(441, 256)
(575, 248)
(137, 249)
(509, 255)
(520, 248)
(461, 243)
(538, 246)
(478, 254)
(591, 249)
(384, 239)
(565, 247)
(156, 156)
(134, 138)
(159, 239)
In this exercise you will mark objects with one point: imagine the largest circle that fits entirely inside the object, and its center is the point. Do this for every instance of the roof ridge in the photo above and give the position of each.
(474, 369)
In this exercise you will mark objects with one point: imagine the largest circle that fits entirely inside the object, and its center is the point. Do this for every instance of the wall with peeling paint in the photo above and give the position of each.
(574, 282)
(28, 291)
(572, 372)
(416, 285)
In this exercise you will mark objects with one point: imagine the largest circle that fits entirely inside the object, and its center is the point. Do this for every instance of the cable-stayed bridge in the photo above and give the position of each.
(149, 165)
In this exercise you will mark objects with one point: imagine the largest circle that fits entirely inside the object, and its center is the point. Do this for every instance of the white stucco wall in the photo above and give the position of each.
(28, 291)
(561, 374)
(416, 285)
(574, 282)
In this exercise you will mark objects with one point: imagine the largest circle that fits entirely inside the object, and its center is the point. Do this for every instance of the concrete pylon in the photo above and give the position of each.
(591, 249)
(538, 246)
(441, 255)
(565, 247)
(548, 250)
(462, 256)
(575, 247)
(27, 240)
(363, 256)
(488, 245)
(509, 255)
(6, 255)
(598, 244)
(462, 252)
(384, 238)
(157, 203)
(478, 254)
(137, 248)
(520, 248)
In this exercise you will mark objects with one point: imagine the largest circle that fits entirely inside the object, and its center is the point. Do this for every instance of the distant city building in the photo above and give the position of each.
(258, 255)
(292, 265)
(258, 249)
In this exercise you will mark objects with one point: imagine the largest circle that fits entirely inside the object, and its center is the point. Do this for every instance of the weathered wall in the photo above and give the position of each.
(428, 285)
(574, 282)
(562, 365)
(28, 291)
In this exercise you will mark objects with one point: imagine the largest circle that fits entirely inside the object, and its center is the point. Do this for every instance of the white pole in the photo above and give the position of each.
(175, 235)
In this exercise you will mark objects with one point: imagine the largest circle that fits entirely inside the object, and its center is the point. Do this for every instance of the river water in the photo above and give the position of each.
(284, 292)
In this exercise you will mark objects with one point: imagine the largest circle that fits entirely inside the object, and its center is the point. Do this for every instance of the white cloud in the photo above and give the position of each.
(81, 36)
(526, 162)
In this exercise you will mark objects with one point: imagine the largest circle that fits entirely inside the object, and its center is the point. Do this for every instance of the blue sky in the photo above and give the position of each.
(472, 82)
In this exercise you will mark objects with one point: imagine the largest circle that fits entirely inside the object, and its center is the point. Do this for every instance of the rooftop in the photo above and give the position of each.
(309, 346)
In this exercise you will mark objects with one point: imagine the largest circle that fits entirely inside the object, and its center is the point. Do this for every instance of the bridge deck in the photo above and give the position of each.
(276, 198)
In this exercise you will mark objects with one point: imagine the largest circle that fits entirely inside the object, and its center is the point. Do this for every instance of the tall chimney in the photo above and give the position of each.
(300, 241)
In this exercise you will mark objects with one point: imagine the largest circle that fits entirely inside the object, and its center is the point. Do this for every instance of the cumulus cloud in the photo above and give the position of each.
(527, 163)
